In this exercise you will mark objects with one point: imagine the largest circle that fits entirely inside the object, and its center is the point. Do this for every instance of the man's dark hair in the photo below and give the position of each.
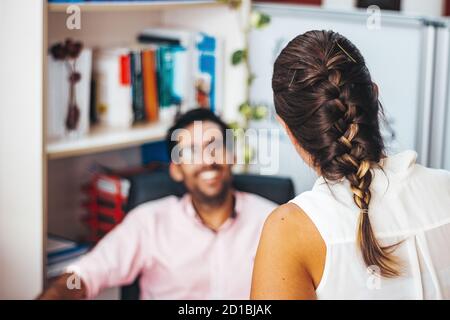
(188, 118)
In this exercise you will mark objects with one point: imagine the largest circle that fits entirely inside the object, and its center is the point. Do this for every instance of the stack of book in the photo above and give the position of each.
(165, 72)
(168, 71)
(61, 253)
(196, 59)
(107, 196)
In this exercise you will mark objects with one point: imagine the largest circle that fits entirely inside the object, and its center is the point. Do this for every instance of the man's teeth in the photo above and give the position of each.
(210, 174)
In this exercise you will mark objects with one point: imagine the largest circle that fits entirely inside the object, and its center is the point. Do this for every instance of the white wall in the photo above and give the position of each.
(420, 7)
(338, 4)
(416, 7)
(116, 28)
(22, 164)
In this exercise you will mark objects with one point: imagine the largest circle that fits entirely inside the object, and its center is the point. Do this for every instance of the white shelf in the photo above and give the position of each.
(102, 138)
(131, 5)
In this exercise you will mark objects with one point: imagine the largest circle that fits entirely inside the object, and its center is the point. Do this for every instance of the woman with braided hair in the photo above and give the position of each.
(373, 226)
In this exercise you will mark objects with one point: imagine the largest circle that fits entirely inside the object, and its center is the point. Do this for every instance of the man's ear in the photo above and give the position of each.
(175, 172)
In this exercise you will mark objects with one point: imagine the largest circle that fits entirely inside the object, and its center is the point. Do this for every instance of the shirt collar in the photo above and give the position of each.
(189, 210)
(400, 162)
(397, 163)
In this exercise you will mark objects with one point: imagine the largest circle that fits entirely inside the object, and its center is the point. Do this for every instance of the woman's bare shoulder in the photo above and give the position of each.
(289, 231)
(290, 222)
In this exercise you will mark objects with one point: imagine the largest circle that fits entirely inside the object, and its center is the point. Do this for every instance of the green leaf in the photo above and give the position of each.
(264, 21)
(238, 57)
(259, 20)
(246, 110)
(259, 112)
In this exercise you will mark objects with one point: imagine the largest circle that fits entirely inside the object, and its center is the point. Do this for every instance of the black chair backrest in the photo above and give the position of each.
(158, 184)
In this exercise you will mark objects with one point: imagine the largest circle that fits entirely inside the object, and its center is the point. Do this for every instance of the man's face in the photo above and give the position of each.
(203, 167)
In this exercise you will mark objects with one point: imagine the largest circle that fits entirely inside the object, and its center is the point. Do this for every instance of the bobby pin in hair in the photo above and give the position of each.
(345, 51)
(293, 77)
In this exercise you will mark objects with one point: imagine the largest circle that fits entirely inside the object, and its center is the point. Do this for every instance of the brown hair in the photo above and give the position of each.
(324, 93)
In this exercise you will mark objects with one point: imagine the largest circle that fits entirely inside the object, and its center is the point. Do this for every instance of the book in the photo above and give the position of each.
(136, 87)
(113, 103)
(75, 252)
(168, 36)
(181, 91)
(208, 74)
(107, 196)
(109, 185)
(150, 84)
(61, 253)
(57, 244)
(59, 268)
(165, 76)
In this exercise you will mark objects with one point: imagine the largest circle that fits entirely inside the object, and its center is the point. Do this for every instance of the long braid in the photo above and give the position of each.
(324, 93)
(360, 178)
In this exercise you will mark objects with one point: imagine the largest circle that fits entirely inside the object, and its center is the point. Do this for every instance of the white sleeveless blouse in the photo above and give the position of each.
(410, 203)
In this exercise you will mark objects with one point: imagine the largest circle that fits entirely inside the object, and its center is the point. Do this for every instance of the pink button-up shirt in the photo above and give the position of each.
(177, 256)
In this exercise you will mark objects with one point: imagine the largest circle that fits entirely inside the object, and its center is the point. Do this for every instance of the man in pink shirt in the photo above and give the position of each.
(201, 246)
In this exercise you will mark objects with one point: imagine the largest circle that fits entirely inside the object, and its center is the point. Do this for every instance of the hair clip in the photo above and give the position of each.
(293, 77)
(345, 51)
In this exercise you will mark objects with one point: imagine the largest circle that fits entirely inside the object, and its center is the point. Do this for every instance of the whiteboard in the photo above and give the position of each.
(398, 55)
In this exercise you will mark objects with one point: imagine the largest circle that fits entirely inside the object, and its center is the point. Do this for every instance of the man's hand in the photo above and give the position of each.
(67, 287)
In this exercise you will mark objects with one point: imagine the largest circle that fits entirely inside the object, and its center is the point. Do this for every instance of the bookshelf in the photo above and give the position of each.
(103, 138)
(41, 178)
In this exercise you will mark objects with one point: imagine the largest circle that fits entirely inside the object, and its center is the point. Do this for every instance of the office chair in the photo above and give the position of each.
(158, 184)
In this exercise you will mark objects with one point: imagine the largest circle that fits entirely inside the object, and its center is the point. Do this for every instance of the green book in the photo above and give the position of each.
(165, 62)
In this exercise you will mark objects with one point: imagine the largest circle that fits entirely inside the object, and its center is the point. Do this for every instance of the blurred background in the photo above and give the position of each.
(89, 88)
